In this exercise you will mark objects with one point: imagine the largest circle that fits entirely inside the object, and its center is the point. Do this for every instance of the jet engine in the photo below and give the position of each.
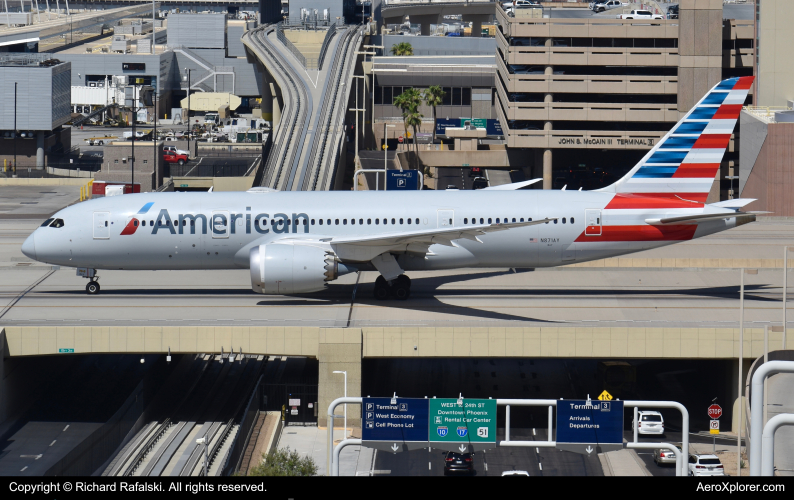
(279, 269)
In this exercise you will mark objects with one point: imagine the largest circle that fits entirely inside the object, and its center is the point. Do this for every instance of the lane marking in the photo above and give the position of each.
(537, 450)
(540, 466)
(53, 442)
(429, 466)
(64, 429)
(486, 467)
(533, 431)
(23, 468)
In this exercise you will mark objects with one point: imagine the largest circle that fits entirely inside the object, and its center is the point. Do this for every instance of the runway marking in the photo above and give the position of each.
(429, 466)
(64, 429)
(23, 468)
(533, 431)
(53, 442)
(540, 466)
(537, 450)
(486, 466)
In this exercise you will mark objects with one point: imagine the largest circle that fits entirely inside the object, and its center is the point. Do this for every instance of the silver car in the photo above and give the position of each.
(665, 456)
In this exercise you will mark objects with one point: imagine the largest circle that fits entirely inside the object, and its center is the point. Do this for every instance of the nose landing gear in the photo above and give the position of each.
(399, 288)
(92, 288)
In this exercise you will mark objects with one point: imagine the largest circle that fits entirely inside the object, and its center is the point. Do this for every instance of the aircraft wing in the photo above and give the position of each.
(429, 236)
(696, 219)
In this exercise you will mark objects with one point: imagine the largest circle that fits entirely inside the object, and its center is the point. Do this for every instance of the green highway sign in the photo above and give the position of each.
(479, 122)
(455, 426)
(65, 350)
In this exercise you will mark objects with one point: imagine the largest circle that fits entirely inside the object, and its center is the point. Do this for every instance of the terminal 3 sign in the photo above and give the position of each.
(604, 141)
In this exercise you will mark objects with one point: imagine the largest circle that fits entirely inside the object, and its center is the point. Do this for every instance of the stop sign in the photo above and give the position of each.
(400, 139)
(715, 411)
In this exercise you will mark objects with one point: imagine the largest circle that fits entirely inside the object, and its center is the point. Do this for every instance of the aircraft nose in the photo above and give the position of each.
(29, 246)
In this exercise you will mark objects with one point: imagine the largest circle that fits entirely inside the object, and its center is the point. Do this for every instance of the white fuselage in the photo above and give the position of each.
(228, 224)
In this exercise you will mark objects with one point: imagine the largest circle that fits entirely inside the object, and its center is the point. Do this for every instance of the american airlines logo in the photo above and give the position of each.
(219, 222)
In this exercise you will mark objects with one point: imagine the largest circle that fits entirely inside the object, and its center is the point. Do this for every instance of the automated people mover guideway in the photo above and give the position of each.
(309, 137)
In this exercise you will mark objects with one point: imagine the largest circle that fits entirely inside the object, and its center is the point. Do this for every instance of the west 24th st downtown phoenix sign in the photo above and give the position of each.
(402, 424)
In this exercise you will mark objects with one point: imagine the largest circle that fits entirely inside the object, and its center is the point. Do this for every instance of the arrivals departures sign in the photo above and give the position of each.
(402, 424)
(589, 427)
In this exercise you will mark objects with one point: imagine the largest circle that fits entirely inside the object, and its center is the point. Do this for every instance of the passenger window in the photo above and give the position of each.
(135, 223)
(287, 221)
(151, 223)
(489, 220)
(417, 220)
(143, 223)
(401, 221)
(56, 224)
(522, 219)
(514, 219)
(409, 221)
(563, 220)
(392, 221)
(312, 222)
(361, 221)
(344, 221)
(481, 221)
(369, 221)
(465, 220)
(555, 221)
(192, 223)
(46, 222)
(329, 221)
(530, 219)
(353, 221)
(321, 222)
(337, 222)
(377, 221)
(571, 220)
(497, 220)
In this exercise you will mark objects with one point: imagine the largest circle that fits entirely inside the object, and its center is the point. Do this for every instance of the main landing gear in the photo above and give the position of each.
(399, 288)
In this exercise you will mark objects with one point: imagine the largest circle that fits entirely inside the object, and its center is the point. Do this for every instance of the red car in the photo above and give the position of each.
(171, 157)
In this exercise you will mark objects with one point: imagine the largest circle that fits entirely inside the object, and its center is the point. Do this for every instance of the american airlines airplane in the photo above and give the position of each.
(297, 242)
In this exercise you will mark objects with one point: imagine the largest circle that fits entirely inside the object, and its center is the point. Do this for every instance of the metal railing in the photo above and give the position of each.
(326, 42)
(766, 113)
(310, 63)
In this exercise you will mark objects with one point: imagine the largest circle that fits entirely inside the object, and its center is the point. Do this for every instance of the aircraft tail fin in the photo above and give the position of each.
(683, 164)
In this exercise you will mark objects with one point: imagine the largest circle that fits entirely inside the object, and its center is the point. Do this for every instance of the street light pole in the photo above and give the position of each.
(741, 354)
(785, 289)
(188, 110)
(344, 372)
(14, 168)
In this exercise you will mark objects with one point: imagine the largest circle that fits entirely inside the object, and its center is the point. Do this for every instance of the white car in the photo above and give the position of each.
(173, 149)
(640, 14)
(602, 5)
(650, 422)
(705, 465)
(515, 473)
(519, 4)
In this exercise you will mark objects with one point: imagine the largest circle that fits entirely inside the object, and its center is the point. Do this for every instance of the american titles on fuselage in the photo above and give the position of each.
(221, 222)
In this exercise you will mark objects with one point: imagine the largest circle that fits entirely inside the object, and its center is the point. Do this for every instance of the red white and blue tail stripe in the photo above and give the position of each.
(683, 165)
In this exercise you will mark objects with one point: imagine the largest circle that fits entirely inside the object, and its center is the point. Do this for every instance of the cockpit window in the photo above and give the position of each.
(47, 222)
(57, 223)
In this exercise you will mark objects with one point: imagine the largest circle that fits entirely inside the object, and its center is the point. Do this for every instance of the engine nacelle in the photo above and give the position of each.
(278, 269)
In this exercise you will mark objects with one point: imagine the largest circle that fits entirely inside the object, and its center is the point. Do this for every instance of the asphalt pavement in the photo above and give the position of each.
(536, 461)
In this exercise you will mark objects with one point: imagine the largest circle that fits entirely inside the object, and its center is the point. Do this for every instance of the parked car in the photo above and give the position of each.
(455, 462)
(174, 150)
(650, 422)
(475, 172)
(602, 5)
(672, 12)
(452, 187)
(665, 456)
(640, 14)
(705, 465)
(520, 4)
(170, 157)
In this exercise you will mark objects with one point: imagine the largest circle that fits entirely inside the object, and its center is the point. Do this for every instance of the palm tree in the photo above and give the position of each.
(409, 102)
(434, 96)
(402, 49)
(413, 119)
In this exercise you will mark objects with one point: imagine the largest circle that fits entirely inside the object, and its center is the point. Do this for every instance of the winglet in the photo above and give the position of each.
(513, 186)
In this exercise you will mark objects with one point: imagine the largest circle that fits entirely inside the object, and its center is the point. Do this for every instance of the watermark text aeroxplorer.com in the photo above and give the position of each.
(727, 487)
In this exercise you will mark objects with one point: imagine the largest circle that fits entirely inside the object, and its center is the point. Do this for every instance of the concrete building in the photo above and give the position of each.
(774, 39)
(615, 86)
(117, 165)
(34, 102)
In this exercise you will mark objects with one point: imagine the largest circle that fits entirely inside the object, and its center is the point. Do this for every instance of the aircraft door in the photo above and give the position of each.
(101, 225)
(446, 219)
(592, 218)
(220, 224)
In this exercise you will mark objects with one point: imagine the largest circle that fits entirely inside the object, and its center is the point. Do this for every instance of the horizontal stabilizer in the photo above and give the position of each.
(734, 204)
(696, 219)
(512, 186)
(261, 189)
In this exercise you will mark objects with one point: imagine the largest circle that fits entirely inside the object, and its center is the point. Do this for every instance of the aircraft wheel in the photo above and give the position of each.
(381, 291)
(92, 288)
(400, 290)
(404, 280)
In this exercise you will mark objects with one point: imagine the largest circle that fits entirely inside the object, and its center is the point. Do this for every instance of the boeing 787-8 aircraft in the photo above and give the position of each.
(296, 242)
